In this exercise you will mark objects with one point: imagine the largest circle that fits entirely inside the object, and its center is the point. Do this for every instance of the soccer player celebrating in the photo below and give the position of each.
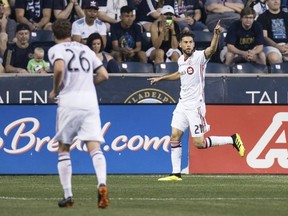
(78, 109)
(190, 110)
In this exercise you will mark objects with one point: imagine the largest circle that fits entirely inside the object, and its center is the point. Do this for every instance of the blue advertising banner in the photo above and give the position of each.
(137, 140)
(133, 89)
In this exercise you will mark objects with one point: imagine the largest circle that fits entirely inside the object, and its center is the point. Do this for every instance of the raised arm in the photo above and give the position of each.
(209, 51)
(173, 76)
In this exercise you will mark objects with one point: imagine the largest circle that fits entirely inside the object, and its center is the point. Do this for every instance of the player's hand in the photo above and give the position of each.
(218, 28)
(53, 96)
(154, 80)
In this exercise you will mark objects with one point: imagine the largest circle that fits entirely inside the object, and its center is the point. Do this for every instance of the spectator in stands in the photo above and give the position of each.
(7, 8)
(259, 6)
(164, 38)
(188, 14)
(83, 27)
(37, 64)
(7, 29)
(275, 30)
(35, 13)
(109, 12)
(227, 11)
(17, 55)
(245, 40)
(146, 12)
(126, 38)
(95, 43)
(12, 9)
(72, 10)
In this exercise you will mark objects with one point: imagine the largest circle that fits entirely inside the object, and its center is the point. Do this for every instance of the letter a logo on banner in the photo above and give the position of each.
(279, 120)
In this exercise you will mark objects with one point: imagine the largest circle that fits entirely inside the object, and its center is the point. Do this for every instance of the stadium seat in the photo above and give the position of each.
(146, 40)
(167, 67)
(249, 68)
(108, 47)
(202, 39)
(43, 39)
(45, 45)
(279, 68)
(41, 36)
(213, 67)
(136, 67)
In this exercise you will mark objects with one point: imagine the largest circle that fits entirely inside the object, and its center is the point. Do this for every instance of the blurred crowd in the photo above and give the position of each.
(143, 30)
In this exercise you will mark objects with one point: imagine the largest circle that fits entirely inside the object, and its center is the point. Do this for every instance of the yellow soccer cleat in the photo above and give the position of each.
(172, 177)
(238, 144)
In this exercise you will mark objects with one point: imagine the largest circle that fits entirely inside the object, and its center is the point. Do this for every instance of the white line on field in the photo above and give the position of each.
(155, 199)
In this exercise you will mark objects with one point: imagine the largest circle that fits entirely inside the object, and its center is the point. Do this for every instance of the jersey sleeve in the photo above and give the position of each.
(54, 54)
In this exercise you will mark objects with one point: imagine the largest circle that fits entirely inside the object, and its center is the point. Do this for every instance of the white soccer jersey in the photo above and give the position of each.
(192, 78)
(80, 27)
(77, 88)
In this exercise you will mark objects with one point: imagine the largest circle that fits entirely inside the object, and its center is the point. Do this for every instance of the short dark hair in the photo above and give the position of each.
(247, 11)
(61, 29)
(92, 37)
(185, 34)
(126, 9)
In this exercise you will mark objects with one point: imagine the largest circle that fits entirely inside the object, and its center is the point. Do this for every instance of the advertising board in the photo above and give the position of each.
(264, 131)
(137, 140)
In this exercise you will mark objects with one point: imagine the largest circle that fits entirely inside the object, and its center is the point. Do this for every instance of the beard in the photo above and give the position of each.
(188, 52)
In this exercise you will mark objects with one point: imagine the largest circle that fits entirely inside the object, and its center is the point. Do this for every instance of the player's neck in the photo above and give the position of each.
(63, 40)
(186, 57)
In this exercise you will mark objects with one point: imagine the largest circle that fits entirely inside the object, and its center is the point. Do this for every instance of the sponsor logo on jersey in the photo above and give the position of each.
(190, 70)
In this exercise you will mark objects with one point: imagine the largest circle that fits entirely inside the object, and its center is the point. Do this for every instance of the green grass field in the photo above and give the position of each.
(138, 195)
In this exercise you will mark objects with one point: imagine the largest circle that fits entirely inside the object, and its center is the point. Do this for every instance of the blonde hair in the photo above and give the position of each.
(39, 51)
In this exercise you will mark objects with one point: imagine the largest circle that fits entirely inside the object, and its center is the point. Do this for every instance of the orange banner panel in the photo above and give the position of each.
(264, 131)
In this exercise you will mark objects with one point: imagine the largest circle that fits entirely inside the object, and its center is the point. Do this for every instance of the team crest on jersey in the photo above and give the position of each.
(149, 95)
(190, 70)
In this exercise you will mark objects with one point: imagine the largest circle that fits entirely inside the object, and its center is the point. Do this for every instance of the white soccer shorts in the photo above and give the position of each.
(192, 118)
(85, 124)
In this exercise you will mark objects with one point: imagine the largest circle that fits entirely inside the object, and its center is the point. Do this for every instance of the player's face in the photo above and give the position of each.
(96, 45)
(247, 21)
(187, 44)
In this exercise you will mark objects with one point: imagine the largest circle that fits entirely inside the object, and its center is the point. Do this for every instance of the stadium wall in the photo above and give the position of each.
(137, 135)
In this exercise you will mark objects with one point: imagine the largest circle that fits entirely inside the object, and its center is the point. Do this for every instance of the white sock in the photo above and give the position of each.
(65, 173)
(176, 155)
(218, 140)
(99, 163)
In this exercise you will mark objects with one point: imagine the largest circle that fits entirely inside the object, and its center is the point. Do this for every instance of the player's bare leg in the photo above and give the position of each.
(176, 155)
(211, 141)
